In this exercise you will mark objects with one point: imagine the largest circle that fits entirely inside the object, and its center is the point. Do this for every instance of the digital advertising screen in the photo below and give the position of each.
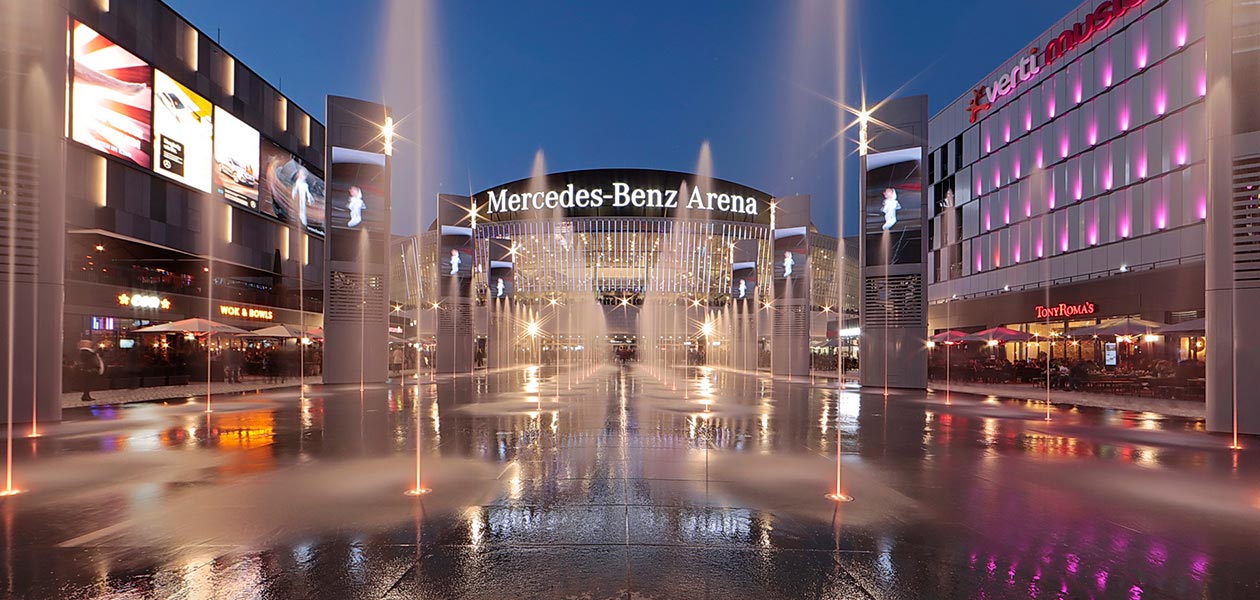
(111, 98)
(289, 190)
(235, 159)
(791, 253)
(183, 133)
(893, 208)
(359, 185)
(744, 281)
(500, 281)
(455, 256)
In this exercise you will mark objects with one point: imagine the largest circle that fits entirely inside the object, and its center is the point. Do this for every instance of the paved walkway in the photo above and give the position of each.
(171, 392)
(690, 485)
(1175, 408)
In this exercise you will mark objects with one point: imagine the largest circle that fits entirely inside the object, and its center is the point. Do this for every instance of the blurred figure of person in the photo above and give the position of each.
(890, 208)
(301, 194)
(396, 359)
(90, 366)
(355, 205)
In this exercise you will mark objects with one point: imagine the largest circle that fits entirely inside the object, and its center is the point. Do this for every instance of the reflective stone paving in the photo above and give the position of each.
(620, 483)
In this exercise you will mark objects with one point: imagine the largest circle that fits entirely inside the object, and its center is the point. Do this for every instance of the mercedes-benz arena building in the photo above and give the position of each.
(1104, 172)
(623, 238)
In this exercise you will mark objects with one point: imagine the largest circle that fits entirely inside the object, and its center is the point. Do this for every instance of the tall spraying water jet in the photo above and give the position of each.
(842, 156)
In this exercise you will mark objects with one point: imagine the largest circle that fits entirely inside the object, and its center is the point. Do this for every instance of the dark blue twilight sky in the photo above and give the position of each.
(603, 83)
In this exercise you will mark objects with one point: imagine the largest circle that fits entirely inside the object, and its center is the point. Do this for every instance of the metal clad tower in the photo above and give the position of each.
(356, 298)
(894, 245)
(456, 335)
(1233, 217)
(789, 350)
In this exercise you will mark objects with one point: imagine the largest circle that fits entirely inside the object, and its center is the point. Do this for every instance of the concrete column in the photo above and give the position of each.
(456, 335)
(894, 246)
(1233, 291)
(789, 346)
(356, 294)
(32, 209)
(499, 334)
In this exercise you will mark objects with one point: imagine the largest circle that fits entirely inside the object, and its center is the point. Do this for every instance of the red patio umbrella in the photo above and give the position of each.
(1000, 335)
(948, 337)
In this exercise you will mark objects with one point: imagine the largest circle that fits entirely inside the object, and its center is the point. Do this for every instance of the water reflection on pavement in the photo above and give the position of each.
(609, 484)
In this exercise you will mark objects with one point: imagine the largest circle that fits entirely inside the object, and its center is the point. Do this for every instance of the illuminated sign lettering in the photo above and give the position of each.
(1107, 13)
(144, 301)
(245, 312)
(1066, 310)
(622, 195)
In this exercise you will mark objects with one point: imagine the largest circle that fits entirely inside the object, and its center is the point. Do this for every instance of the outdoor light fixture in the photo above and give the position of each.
(387, 133)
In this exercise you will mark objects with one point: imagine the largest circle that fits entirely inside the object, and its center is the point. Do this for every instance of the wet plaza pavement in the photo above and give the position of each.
(621, 483)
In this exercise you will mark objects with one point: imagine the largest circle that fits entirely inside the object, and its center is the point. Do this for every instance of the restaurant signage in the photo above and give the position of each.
(144, 301)
(245, 312)
(1062, 309)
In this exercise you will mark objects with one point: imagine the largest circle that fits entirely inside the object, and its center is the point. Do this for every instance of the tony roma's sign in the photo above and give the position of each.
(623, 193)
(1062, 310)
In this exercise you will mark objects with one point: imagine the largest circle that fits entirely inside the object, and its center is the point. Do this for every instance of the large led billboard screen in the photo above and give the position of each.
(289, 190)
(893, 208)
(235, 159)
(359, 188)
(111, 98)
(183, 133)
(358, 185)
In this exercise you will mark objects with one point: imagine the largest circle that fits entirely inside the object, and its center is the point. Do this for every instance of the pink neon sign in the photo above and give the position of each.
(984, 97)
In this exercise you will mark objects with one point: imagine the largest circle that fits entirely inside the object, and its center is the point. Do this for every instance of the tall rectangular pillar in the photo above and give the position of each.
(356, 298)
(500, 334)
(789, 342)
(456, 336)
(1233, 219)
(894, 245)
(744, 307)
(32, 209)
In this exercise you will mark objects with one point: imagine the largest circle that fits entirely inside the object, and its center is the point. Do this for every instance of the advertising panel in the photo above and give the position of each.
(500, 279)
(893, 208)
(791, 252)
(112, 98)
(501, 256)
(359, 188)
(235, 159)
(358, 185)
(183, 133)
(744, 281)
(456, 258)
(289, 190)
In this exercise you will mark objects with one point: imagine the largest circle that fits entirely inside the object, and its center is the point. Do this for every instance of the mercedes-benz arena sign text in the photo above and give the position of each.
(624, 192)
(1107, 13)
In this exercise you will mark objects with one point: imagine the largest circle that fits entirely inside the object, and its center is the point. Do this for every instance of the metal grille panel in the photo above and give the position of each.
(893, 301)
(1246, 220)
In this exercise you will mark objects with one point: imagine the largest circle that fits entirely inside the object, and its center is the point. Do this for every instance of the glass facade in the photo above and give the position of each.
(1094, 166)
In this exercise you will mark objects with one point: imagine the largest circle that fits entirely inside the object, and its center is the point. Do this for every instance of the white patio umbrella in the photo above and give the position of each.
(998, 334)
(1191, 327)
(278, 331)
(195, 325)
(1127, 326)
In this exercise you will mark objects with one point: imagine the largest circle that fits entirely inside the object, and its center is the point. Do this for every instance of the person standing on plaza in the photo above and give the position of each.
(90, 366)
